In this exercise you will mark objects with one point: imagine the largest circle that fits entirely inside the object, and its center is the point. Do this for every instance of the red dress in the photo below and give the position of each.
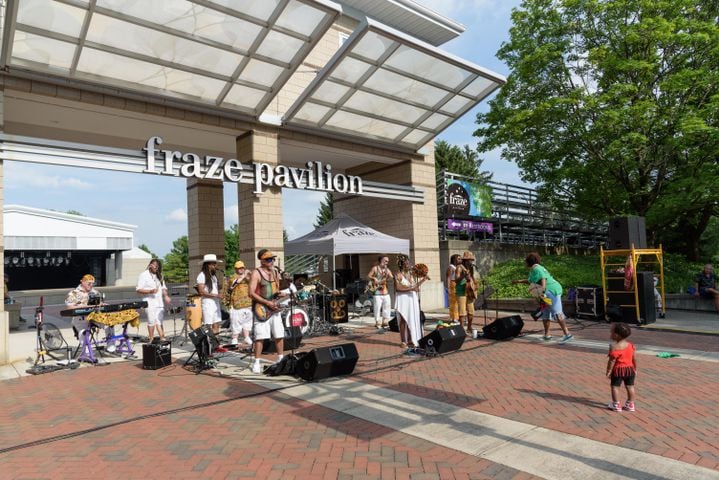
(623, 364)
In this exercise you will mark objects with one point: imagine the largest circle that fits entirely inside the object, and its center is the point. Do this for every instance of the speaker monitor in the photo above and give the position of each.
(156, 355)
(444, 340)
(627, 231)
(504, 328)
(625, 300)
(292, 340)
(327, 362)
(204, 340)
(589, 301)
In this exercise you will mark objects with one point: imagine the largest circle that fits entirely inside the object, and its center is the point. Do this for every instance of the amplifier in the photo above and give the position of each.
(156, 355)
(590, 301)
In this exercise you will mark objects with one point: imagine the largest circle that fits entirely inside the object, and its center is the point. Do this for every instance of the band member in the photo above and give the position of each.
(465, 289)
(265, 290)
(407, 304)
(80, 297)
(151, 286)
(450, 279)
(238, 300)
(208, 288)
(378, 276)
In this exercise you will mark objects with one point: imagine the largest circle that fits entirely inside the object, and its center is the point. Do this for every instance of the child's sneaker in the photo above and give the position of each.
(629, 406)
(615, 406)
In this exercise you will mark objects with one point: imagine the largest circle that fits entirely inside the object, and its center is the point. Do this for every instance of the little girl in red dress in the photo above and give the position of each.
(621, 367)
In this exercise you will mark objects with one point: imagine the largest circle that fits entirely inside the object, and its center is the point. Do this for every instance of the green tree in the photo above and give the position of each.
(232, 245)
(147, 249)
(175, 266)
(325, 213)
(616, 105)
(459, 160)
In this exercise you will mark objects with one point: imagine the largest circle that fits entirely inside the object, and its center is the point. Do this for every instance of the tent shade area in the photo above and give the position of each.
(345, 235)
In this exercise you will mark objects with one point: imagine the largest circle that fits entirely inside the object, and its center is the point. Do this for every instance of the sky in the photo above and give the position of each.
(158, 205)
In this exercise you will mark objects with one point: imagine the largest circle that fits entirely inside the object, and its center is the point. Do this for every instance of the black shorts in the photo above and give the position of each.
(627, 379)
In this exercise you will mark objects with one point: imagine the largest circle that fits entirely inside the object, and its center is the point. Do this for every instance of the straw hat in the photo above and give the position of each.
(239, 264)
(468, 256)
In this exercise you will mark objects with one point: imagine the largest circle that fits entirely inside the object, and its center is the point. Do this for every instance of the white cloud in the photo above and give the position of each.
(231, 215)
(21, 176)
(177, 215)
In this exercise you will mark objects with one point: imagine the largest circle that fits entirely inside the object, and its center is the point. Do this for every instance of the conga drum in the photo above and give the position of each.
(193, 311)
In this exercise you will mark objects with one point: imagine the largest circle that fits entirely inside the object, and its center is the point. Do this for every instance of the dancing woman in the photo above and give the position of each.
(407, 304)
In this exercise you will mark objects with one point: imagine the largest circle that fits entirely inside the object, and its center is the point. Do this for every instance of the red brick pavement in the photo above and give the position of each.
(122, 420)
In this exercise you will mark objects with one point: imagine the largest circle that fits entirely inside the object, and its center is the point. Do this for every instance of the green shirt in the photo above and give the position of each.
(538, 272)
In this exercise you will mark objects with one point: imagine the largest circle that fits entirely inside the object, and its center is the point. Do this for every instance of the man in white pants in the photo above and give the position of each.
(151, 286)
(208, 287)
(265, 292)
(378, 278)
(239, 302)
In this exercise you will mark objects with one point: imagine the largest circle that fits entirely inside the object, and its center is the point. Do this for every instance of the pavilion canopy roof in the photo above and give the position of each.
(236, 55)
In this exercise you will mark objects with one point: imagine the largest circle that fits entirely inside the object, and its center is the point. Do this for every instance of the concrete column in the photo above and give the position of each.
(4, 320)
(205, 223)
(402, 219)
(260, 215)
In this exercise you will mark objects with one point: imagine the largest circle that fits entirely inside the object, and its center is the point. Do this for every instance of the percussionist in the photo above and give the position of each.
(82, 296)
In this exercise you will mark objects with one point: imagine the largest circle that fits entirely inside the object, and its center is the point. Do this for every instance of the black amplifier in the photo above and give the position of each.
(590, 301)
(156, 355)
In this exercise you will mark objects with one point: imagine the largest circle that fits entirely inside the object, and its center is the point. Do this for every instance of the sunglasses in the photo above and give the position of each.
(269, 260)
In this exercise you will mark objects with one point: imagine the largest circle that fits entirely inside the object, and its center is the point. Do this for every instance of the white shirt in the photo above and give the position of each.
(214, 290)
(149, 281)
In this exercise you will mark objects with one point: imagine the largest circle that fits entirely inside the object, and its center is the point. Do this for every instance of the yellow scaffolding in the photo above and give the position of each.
(636, 255)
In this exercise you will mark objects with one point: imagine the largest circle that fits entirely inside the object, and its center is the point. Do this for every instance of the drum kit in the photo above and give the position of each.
(310, 308)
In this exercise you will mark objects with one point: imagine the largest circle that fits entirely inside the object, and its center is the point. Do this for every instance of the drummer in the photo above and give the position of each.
(80, 297)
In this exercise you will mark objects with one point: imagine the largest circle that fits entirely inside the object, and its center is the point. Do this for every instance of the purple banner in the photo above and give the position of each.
(470, 226)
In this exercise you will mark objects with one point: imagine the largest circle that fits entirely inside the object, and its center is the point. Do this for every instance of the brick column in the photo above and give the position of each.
(260, 215)
(402, 219)
(4, 320)
(205, 223)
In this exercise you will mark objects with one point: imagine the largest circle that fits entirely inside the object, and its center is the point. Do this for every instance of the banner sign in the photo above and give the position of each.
(469, 226)
(468, 199)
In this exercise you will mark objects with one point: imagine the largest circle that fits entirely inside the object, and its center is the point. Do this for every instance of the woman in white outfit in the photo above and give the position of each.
(407, 304)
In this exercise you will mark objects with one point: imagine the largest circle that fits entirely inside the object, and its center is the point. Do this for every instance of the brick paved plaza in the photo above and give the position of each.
(122, 421)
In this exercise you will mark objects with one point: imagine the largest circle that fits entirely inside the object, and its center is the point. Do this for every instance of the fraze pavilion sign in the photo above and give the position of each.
(314, 177)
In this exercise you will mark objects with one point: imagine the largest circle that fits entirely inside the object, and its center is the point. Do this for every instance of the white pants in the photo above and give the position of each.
(272, 327)
(155, 316)
(382, 307)
(240, 319)
(211, 312)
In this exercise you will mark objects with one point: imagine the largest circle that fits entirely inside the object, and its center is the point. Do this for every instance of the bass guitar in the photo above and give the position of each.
(262, 312)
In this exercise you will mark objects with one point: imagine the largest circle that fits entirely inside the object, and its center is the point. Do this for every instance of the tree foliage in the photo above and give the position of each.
(325, 212)
(460, 160)
(145, 248)
(175, 266)
(616, 105)
(232, 246)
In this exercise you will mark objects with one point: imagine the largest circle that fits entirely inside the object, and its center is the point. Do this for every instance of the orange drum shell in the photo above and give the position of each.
(193, 311)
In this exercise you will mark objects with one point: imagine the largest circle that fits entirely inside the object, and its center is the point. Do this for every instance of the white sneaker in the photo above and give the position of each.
(235, 341)
(279, 358)
(111, 348)
(256, 368)
(248, 340)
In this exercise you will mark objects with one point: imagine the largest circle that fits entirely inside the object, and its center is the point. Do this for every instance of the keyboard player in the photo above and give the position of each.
(81, 297)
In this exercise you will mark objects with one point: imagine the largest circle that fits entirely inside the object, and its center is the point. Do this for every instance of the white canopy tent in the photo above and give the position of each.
(345, 235)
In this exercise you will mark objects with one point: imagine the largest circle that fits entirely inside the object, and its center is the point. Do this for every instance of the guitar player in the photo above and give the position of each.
(265, 293)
